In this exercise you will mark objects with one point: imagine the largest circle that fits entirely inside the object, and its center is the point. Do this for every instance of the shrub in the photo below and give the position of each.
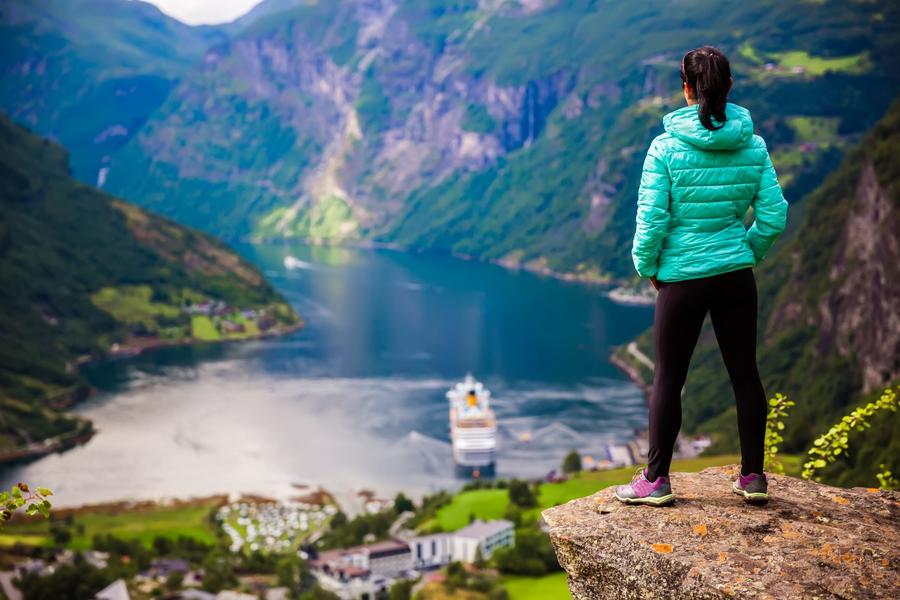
(829, 446)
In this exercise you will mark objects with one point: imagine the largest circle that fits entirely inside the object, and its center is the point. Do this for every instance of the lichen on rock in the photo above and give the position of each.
(809, 541)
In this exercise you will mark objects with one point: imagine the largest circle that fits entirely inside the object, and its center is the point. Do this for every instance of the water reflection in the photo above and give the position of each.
(355, 399)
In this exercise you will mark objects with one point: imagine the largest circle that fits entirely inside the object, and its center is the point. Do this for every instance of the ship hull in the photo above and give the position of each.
(487, 471)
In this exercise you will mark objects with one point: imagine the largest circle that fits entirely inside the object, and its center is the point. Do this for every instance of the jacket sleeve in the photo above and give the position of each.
(770, 213)
(652, 213)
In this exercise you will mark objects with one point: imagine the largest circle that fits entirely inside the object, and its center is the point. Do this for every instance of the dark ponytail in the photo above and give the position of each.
(707, 72)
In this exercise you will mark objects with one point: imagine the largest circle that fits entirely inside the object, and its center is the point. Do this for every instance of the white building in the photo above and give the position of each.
(383, 558)
(436, 550)
(487, 535)
(431, 551)
(117, 590)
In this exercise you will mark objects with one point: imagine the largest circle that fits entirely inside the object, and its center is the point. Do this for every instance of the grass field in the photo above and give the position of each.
(484, 504)
(491, 503)
(133, 304)
(817, 65)
(142, 524)
(202, 328)
(548, 587)
(815, 129)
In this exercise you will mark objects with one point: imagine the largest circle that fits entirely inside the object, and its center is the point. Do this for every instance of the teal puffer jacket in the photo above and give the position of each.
(696, 188)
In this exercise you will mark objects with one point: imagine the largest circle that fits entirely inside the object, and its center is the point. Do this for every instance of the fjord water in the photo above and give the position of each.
(356, 398)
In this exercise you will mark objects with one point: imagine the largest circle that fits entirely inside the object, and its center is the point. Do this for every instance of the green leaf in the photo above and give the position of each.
(44, 491)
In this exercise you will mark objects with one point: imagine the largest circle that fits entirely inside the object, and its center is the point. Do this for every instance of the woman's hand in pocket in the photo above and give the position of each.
(655, 282)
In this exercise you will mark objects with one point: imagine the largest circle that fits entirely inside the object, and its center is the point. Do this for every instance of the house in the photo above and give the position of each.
(32, 565)
(232, 327)
(389, 558)
(203, 308)
(383, 558)
(193, 578)
(230, 595)
(192, 595)
(437, 550)
(117, 590)
(486, 535)
(431, 551)
(363, 570)
(95, 558)
(163, 567)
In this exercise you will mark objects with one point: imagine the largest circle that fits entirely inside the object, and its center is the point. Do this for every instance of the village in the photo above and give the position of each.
(281, 550)
(257, 530)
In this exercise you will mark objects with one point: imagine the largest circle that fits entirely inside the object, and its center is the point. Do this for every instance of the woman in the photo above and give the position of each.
(700, 178)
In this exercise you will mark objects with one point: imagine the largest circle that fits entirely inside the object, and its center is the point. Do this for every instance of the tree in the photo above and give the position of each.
(68, 582)
(290, 571)
(572, 462)
(162, 545)
(61, 533)
(402, 590)
(174, 581)
(521, 495)
(403, 504)
(479, 561)
(338, 520)
(218, 572)
(513, 513)
(456, 575)
(317, 593)
(532, 555)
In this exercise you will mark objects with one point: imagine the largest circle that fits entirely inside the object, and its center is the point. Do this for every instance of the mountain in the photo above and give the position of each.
(84, 275)
(506, 131)
(88, 73)
(829, 315)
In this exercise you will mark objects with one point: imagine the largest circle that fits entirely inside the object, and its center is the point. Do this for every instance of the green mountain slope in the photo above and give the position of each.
(83, 274)
(506, 132)
(829, 315)
(88, 72)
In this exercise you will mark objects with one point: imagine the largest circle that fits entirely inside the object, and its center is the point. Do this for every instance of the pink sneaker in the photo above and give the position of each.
(643, 491)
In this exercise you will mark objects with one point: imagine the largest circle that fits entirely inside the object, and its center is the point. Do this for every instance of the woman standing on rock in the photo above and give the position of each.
(700, 177)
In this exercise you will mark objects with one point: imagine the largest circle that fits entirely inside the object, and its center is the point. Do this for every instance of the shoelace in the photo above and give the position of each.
(638, 475)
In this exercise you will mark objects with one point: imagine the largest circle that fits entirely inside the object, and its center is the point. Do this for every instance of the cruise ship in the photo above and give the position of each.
(473, 429)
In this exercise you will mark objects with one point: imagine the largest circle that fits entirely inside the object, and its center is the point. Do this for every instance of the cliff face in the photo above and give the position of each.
(333, 113)
(810, 541)
(505, 131)
(858, 315)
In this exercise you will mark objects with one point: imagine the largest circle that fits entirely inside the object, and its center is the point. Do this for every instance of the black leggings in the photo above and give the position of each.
(681, 307)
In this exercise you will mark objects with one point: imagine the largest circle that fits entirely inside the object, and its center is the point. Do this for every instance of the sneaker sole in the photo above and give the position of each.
(650, 501)
(751, 497)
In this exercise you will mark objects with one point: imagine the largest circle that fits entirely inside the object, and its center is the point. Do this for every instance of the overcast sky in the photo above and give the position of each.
(205, 12)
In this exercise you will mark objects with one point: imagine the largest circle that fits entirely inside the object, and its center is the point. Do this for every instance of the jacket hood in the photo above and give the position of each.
(684, 124)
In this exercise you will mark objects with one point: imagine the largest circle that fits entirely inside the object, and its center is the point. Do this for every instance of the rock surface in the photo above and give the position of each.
(809, 541)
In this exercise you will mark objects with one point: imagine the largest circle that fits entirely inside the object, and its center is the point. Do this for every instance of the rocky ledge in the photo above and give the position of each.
(809, 541)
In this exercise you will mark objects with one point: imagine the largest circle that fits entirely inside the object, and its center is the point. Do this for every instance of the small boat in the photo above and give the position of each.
(633, 296)
(473, 429)
(291, 262)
